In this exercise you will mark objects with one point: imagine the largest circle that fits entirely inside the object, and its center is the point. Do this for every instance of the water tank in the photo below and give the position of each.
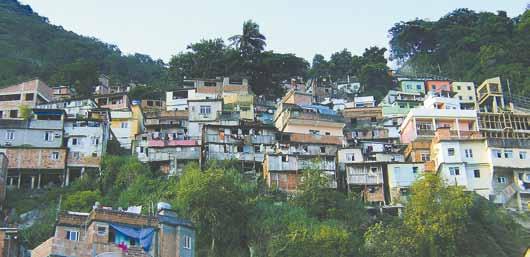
(163, 205)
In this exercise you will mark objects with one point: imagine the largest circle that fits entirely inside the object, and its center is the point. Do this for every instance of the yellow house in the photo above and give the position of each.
(465, 92)
(126, 124)
(242, 103)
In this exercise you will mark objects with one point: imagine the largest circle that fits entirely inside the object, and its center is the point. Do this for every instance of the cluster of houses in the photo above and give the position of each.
(470, 135)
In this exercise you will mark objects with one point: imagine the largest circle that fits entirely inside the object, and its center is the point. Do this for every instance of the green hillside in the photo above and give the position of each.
(468, 46)
(32, 47)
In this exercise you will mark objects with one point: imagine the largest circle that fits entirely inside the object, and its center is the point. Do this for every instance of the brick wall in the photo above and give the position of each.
(123, 217)
(35, 158)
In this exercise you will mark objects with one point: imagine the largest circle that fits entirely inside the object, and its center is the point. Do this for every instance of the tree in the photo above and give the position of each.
(80, 201)
(341, 64)
(216, 203)
(251, 42)
(435, 217)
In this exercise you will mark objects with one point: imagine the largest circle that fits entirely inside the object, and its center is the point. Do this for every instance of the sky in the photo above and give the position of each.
(162, 28)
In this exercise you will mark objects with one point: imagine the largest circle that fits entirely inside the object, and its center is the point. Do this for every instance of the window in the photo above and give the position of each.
(10, 135)
(373, 169)
(425, 157)
(29, 96)
(469, 153)
(149, 103)
(187, 242)
(48, 136)
(13, 114)
(454, 171)
(314, 132)
(322, 149)
(476, 173)
(418, 86)
(501, 180)
(328, 133)
(508, 154)
(468, 88)
(458, 88)
(124, 124)
(459, 97)
(350, 157)
(415, 170)
(450, 151)
(373, 119)
(55, 155)
(285, 158)
(522, 155)
(72, 235)
(76, 155)
(102, 231)
(205, 109)
(75, 141)
(95, 140)
(496, 153)
(470, 98)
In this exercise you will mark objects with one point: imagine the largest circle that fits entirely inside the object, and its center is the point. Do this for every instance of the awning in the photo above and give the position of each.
(144, 235)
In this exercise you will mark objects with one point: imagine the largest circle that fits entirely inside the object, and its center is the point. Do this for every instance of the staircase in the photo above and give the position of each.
(136, 251)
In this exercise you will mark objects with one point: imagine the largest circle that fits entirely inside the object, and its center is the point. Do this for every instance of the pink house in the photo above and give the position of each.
(423, 122)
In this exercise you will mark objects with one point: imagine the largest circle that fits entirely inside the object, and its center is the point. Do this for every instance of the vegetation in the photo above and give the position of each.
(32, 47)
(238, 217)
(466, 45)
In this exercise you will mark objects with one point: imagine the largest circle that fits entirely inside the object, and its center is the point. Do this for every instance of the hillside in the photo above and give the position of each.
(468, 46)
(32, 47)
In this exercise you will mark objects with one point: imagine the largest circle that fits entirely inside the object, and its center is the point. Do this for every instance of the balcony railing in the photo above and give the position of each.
(364, 179)
(183, 155)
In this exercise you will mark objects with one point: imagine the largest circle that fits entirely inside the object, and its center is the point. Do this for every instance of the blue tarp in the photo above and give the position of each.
(319, 108)
(144, 235)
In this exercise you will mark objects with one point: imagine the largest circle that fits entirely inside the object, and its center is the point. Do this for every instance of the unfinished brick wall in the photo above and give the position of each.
(35, 158)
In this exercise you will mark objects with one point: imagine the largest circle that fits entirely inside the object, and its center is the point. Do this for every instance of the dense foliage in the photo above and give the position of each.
(468, 46)
(370, 69)
(235, 216)
(32, 47)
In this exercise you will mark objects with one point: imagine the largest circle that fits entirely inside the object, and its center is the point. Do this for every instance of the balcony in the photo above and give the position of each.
(251, 157)
(169, 143)
(364, 179)
(448, 134)
(425, 133)
(315, 116)
(182, 155)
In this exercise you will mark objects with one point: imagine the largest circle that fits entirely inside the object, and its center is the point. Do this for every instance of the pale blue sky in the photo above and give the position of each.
(162, 28)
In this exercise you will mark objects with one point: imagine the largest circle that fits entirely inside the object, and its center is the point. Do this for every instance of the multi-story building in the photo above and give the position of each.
(364, 123)
(465, 92)
(62, 92)
(27, 94)
(437, 86)
(152, 105)
(34, 148)
(422, 122)
(412, 86)
(401, 176)
(511, 172)
(461, 159)
(104, 232)
(206, 111)
(362, 176)
(178, 99)
(247, 142)
(126, 124)
(165, 143)
(296, 152)
(86, 138)
(498, 119)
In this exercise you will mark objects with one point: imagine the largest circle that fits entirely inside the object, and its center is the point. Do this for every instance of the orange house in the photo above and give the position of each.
(437, 85)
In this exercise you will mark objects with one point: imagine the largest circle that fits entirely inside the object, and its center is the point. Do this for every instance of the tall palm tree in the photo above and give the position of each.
(251, 42)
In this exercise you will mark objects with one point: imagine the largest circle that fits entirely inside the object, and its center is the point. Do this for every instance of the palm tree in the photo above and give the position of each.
(251, 42)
